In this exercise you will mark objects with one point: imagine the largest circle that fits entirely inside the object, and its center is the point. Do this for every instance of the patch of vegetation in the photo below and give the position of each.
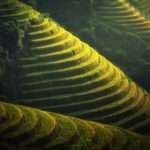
(11, 46)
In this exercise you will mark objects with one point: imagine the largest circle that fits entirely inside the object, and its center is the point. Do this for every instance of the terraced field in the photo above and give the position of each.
(26, 127)
(143, 6)
(60, 73)
(122, 14)
(129, 25)
(112, 41)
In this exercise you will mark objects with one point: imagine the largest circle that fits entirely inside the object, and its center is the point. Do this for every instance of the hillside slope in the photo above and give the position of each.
(29, 128)
(114, 39)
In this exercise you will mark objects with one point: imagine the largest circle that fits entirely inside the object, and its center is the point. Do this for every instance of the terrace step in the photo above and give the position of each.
(43, 131)
(62, 138)
(86, 133)
(11, 120)
(26, 126)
